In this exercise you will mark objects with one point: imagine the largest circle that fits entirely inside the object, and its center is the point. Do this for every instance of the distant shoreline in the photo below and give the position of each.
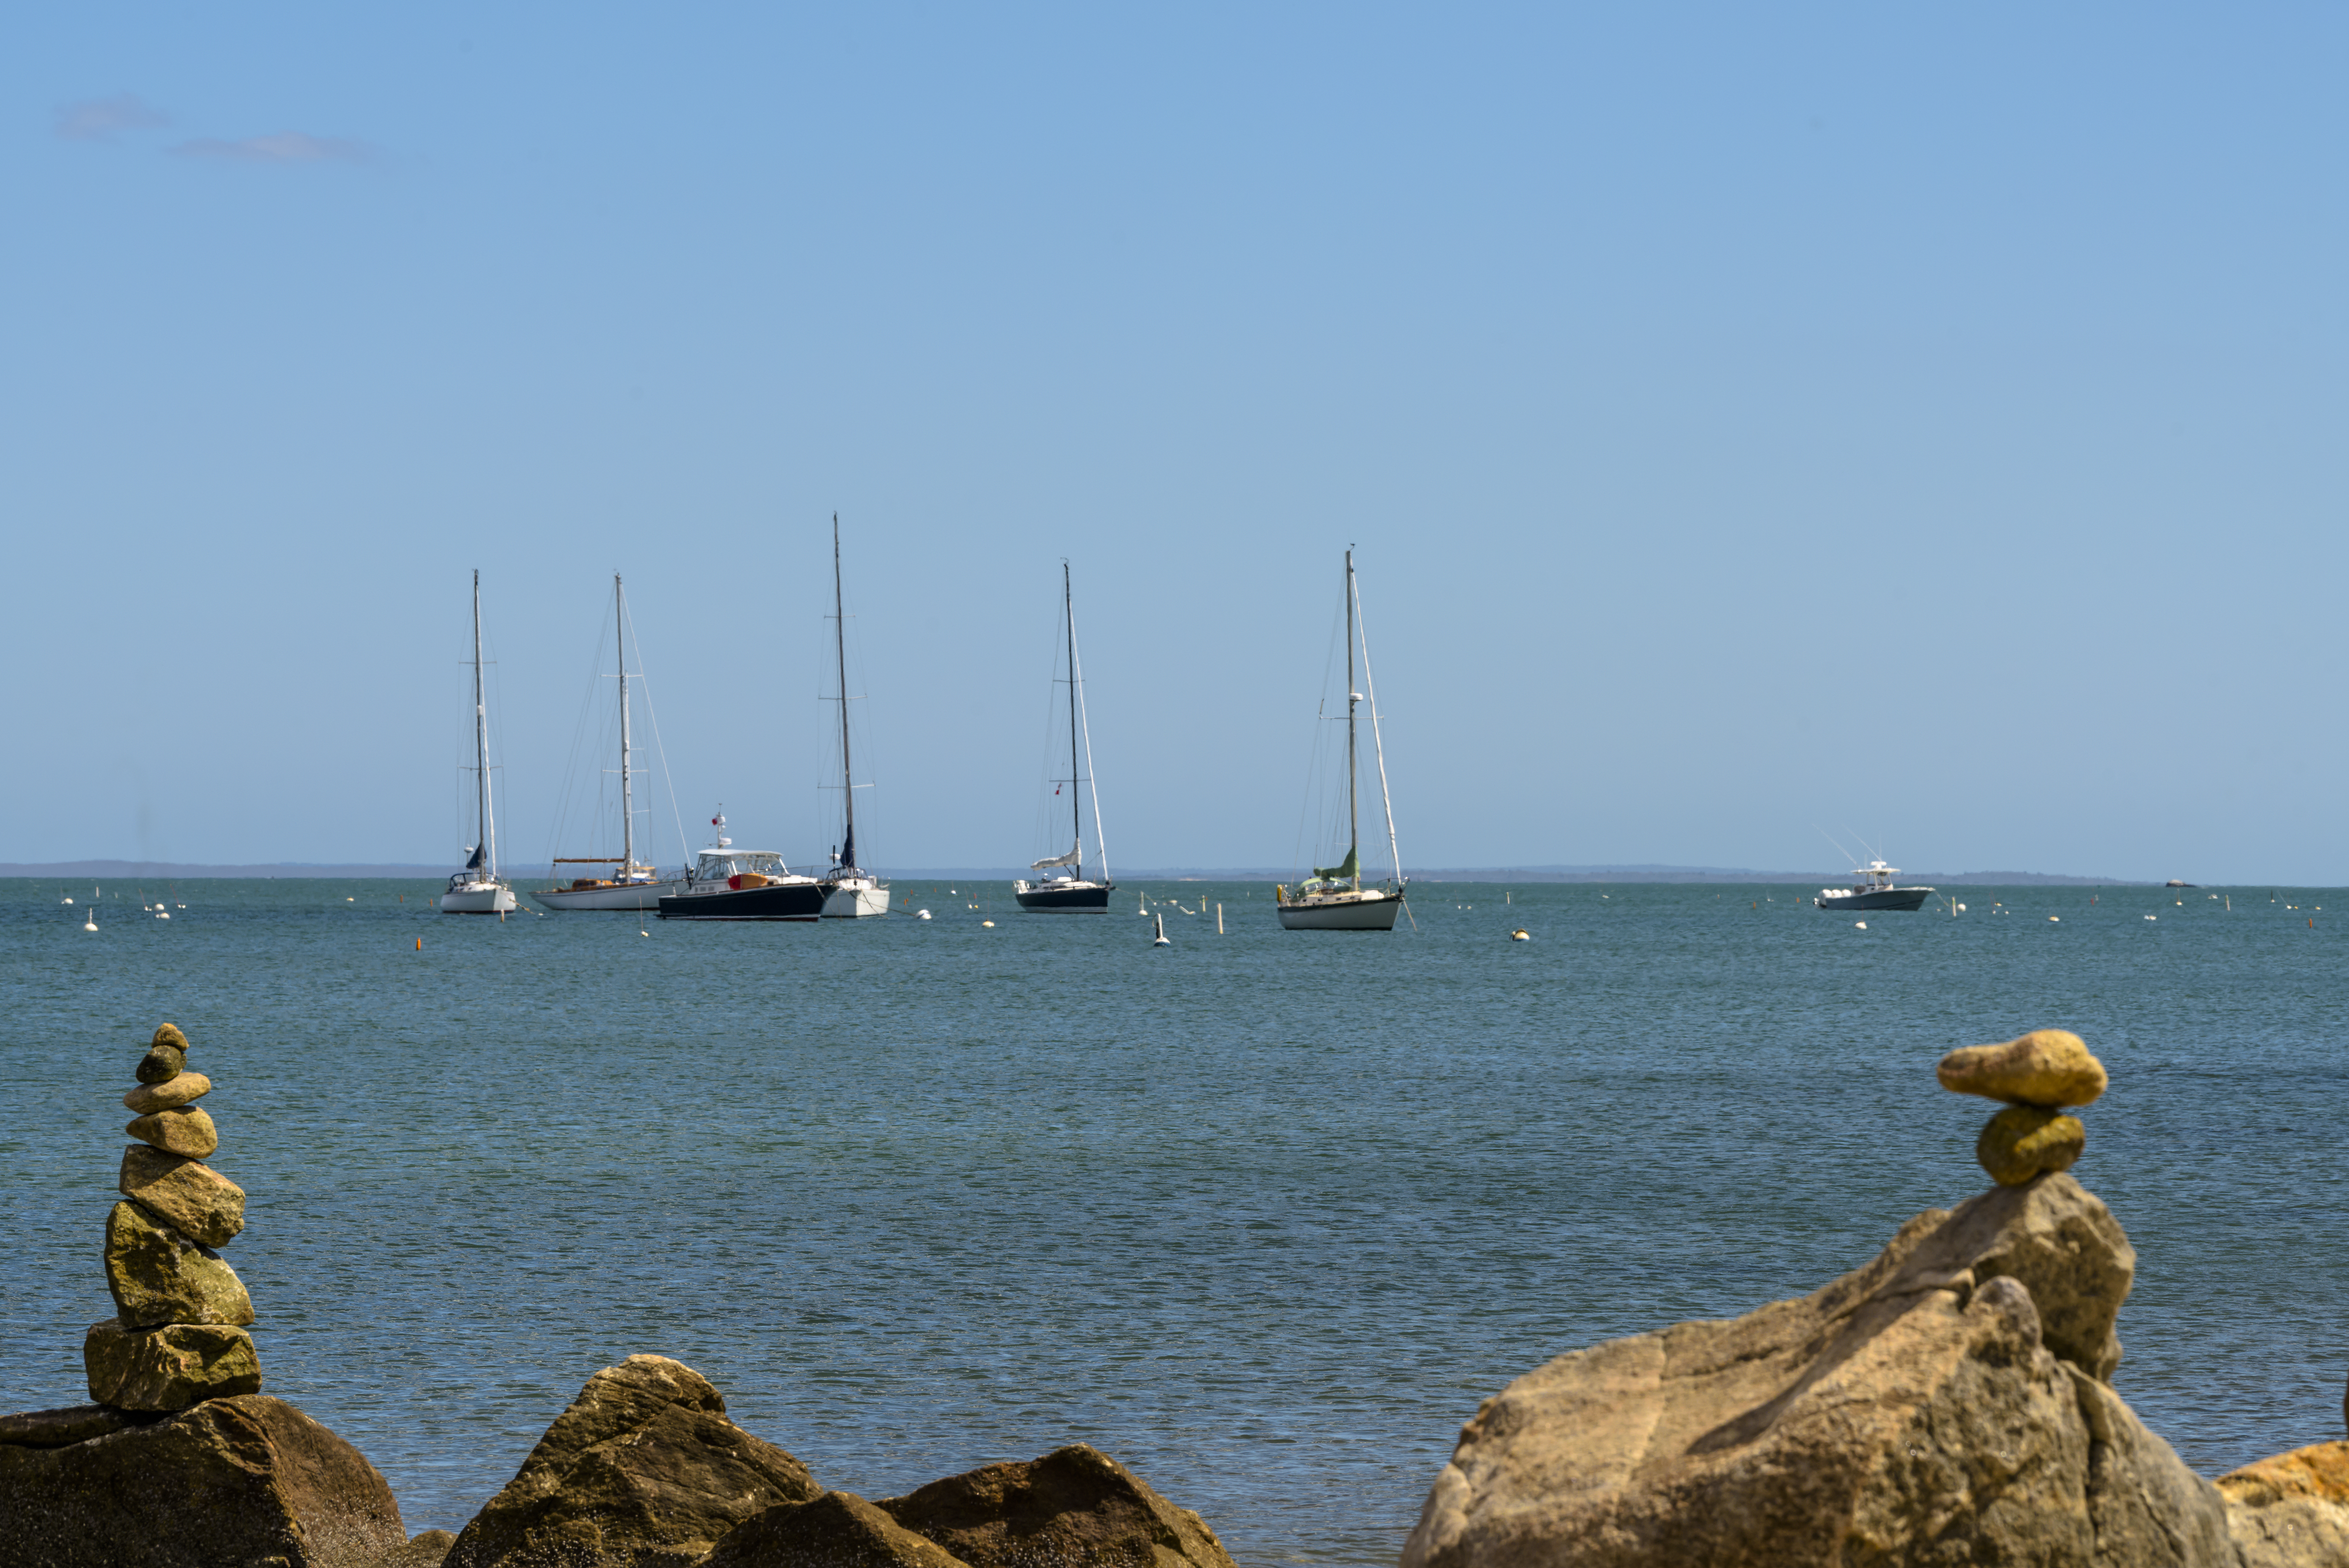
(1596, 874)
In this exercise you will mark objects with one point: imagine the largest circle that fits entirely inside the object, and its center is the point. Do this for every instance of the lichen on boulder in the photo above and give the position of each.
(245, 1481)
(1074, 1505)
(644, 1470)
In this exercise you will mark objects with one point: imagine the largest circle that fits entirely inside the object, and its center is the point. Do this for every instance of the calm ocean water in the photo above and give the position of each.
(1263, 1215)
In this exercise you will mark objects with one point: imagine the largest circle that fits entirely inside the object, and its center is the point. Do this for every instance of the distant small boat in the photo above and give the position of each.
(851, 892)
(633, 884)
(1873, 889)
(477, 890)
(1334, 898)
(1071, 890)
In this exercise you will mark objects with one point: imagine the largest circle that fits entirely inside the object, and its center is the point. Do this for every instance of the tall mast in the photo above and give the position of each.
(488, 840)
(1378, 743)
(627, 811)
(839, 646)
(1092, 779)
(1354, 813)
(1076, 816)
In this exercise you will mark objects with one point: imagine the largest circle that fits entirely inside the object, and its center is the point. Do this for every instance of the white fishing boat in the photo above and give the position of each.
(851, 892)
(477, 890)
(1872, 888)
(632, 884)
(1071, 890)
(1335, 898)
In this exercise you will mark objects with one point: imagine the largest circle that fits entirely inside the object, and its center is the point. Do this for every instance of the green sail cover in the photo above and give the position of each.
(1346, 870)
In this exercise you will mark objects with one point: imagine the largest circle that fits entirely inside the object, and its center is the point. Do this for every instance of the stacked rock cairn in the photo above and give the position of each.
(2037, 1074)
(178, 1333)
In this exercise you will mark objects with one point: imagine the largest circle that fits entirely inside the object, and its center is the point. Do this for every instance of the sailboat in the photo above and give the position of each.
(633, 884)
(477, 890)
(1071, 889)
(850, 890)
(1334, 898)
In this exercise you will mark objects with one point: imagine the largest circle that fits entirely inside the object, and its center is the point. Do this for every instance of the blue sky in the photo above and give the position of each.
(1920, 425)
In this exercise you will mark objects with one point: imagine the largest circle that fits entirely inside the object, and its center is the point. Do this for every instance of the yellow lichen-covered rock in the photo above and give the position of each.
(2291, 1509)
(168, 1095)
(160, 1276)
(186, 1131)
(2048, 1067)
(2024, 1141)
(186, 1194)
(169, 1035)
(167, 1368)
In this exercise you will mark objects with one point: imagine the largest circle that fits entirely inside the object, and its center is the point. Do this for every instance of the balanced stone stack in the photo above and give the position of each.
(177, 1336)
(2037, 1074)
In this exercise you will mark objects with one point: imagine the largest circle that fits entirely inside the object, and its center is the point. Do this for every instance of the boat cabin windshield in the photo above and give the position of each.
(718, 865)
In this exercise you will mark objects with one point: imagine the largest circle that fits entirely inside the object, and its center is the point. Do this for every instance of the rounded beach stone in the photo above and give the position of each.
(169, 1095)
(186, 1131)
(2047, 1067)
(2024, 1141)
(191, 1197)
(167, 1368)
(160, 1064)
(159, 1276)
(169, 1035)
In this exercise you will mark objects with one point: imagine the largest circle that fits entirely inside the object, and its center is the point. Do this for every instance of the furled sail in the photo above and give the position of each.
(1346, 870)
(1071, 858)
(475, 863)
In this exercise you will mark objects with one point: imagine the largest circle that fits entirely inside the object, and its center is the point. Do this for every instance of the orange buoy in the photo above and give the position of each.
(420, 944)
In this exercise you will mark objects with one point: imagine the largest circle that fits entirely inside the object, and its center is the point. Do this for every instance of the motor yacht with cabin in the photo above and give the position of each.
(730, 884)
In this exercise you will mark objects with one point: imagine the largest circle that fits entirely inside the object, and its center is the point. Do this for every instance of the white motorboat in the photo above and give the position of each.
(632, 884)
(851, 892)
(1334, 898)
(1071, 890)
(1872, 888)
(478, 889)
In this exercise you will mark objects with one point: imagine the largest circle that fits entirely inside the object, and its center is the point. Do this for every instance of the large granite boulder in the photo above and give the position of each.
(1074, 1508)
(2291, 1510)
(838, 1530)
(1945, 1404)
(242, 1482)
(644, 1470)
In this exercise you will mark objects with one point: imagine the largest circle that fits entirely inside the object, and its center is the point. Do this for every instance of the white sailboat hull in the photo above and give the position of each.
(1371, 909)
(854, 900)
(625, 896)
(478, 899)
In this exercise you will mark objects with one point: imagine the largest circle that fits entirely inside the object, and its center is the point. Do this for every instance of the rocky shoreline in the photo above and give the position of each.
(1950, 1402)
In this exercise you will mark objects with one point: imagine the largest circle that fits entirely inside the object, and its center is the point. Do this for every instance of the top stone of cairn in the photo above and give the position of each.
(2049, 1068)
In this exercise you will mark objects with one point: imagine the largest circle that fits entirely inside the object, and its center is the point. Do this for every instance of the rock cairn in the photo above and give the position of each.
(178, 1333)
(2037, 1074)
